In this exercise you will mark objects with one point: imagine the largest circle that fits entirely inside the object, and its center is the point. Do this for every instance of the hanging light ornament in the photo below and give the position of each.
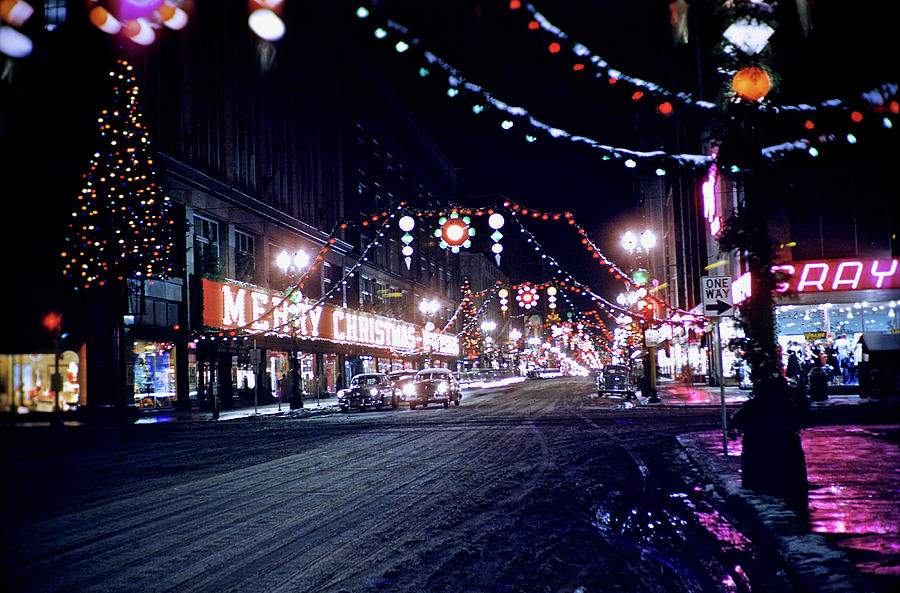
(551, 296)
(265, 19)
(12, 42)
(454, 232)
(751, 83)
(495, 221)
(137, 19)
(407, 223)
(504, 299)
(527, 297)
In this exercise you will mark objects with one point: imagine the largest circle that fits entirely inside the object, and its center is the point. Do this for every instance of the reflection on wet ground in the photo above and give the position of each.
(854, 490)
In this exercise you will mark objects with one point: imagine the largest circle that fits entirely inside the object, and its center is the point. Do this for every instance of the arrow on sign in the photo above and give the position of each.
(720, 307)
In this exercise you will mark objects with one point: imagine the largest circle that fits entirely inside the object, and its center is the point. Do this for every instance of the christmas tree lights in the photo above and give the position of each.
(122, 226)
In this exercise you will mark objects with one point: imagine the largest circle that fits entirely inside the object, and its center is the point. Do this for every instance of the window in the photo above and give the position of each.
(206, 247)
(54, 13)
(244, 256)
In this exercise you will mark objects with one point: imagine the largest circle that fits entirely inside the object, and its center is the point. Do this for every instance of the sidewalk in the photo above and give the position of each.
(672, 393)
(849, 540)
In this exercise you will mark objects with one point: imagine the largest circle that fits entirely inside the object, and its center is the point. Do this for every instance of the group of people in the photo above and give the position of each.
(836, 358)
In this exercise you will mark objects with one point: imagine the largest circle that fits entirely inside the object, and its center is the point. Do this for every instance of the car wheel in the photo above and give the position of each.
(345, 409)
(378, 406)
(394, 403)
(412, 406)
(424, 405)
(447, 404)
(456, 402)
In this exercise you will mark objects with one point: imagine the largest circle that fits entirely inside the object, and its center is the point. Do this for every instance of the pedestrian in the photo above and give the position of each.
(844, 351)
(794, 369)
(296, 389)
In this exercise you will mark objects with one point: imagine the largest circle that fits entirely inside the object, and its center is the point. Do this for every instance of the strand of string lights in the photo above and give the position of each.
(873, 99)
(630, 158)
(459, 83)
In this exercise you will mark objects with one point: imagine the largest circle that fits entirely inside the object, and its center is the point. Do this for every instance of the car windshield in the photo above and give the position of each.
(360, 380)
(433, 375)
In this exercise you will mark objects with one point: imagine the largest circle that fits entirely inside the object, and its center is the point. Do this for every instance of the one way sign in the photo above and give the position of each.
(717, 296)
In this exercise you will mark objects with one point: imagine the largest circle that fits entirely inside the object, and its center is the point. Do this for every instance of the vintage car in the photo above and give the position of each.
(433, 386)
(369, 389)
(401, 379)
(615, 379)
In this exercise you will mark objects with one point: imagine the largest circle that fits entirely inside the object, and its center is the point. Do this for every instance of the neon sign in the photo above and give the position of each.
(831, 275)
(710, 208)
(231, 306)
(840, 274)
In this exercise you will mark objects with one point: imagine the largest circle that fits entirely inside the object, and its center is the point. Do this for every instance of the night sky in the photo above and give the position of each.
(847, 51)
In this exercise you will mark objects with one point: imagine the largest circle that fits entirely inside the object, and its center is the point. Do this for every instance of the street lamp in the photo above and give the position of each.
(640, 246)
(429, 307)
(299, 260)
(293, 263)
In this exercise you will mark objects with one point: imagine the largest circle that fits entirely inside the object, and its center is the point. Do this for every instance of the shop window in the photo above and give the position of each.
(152, 374)
(26, 382)
(244, 256)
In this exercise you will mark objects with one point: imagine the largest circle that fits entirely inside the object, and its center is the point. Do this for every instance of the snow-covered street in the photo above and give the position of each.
(534, 487)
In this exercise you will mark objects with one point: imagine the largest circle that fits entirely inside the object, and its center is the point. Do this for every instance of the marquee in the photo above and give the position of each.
(230, 305)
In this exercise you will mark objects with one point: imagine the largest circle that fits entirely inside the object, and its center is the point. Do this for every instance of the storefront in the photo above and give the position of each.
(26, 381)
(332, 344)
(830, 304)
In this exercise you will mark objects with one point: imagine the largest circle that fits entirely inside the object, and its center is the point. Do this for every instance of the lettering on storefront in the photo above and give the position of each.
(814, 335)
(233, 306)
(841, 274)
(829, 276)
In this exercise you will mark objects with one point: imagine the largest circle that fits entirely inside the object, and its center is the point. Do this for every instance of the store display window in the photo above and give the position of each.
(26, 382)
(152, 374)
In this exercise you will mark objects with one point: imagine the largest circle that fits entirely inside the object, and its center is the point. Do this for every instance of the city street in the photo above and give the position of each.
(536, 487)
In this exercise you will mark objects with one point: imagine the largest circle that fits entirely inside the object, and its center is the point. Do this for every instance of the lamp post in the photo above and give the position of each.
(638, 247)
(293, 264)
(428, 308)
(486, 327)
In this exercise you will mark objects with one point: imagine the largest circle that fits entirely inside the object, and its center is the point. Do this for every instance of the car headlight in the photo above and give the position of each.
(409, 389)
(373, 391)
(442, 387)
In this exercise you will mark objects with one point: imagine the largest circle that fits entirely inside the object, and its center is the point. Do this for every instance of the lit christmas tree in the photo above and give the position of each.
(470, 338)
(122, 226)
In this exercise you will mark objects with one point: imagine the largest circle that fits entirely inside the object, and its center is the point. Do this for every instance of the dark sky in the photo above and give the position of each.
(847, 51)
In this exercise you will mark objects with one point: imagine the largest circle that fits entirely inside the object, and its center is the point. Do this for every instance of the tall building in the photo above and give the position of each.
(265, 149)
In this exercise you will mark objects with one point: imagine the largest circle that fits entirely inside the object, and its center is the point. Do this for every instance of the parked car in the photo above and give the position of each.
(369, 389)
(433, 386)
(616, 379)
(401, 380)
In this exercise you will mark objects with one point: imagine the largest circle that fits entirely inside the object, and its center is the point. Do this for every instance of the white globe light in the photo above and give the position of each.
(455, 232)
(497, 248)
(648, 239)
(283, 261)
(629, 241)
(495, 220)
(266, 24)
(407, 223)
(407, 251)
(301, 260)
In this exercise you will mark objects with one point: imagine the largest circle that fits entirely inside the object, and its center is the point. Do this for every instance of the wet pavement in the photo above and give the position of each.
(850, 538)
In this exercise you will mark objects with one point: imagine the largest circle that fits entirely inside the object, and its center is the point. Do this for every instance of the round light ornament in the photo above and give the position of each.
(751, 83)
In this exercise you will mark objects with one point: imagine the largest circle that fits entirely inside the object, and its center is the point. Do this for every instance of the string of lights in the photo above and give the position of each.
(460, 85)
(873, 100)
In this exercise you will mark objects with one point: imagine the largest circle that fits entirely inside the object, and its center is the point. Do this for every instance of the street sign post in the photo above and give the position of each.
(717, 303)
